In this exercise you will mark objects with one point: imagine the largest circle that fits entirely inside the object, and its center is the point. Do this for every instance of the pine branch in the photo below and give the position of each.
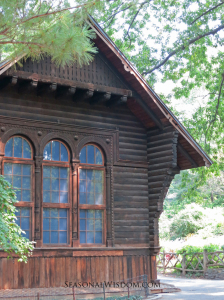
(208, 11)
(183, 47)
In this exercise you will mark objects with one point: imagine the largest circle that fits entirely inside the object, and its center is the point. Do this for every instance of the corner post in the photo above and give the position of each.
(109, 240)
(37, 204)
(75, 166)
(184, 264)
(205, 261)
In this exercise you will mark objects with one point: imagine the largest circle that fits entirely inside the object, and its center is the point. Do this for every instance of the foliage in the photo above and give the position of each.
(36, 28)
(193, 249)
(11, 239)
(182, 42)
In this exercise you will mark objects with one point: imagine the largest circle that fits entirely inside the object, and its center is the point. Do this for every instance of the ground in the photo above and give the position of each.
(194, 289)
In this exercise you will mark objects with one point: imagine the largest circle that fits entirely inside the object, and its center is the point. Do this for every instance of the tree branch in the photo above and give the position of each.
(205, 13)
(112, 16)
(212, 32)
(135, 16)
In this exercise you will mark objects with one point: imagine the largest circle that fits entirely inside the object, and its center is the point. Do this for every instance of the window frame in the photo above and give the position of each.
(102, 207)
(24, 161)
(68, 206)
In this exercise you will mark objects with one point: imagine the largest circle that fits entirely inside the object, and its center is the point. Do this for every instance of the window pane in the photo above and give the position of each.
(90, 237)
(98, 188)
(82, 156)
(90, 214)
(8, 178)
(98, 214)
(26, 170)
(25, 223)
(62, 237)
(99, 159)
(18, 147)
(90, 174)
(64, 153)
(26, 183)
(16, 169)
(23, 220)
(98, 237)
(18, 194)
(98, 225)
(82, 174)
(90, 224)
(57, 186)
(8, 148)
(90, 198)
(90, 154)
(82, 198)
(82, 213)
(55, 225)
(47, 152)
(90, 186)
(83, 237)
(26, 149)
(26, 195)
(98, 175)
(82, 186)
(17, 181)
(55, 151)
(82, 224)
(7, 169)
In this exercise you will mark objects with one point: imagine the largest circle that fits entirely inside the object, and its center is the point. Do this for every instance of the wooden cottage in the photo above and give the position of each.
(91, 153)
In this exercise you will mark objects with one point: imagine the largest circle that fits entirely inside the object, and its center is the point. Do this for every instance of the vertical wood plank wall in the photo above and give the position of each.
(54, 271)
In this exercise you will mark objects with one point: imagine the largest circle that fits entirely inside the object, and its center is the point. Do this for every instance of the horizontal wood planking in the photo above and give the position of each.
(131, 131)
(40, 272)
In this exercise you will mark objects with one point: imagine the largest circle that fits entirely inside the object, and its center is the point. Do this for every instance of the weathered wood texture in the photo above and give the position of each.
(40, 272)
(131, 207)
(162, 155)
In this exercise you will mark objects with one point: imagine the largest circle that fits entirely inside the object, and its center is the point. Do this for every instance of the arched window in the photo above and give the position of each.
(18, 171)
(91, 196)
(56, 194)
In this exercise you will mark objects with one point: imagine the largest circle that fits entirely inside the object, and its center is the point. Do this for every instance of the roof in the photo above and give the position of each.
(145, 104)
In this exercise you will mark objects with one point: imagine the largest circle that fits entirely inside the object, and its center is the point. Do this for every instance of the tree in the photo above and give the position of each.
(179, 41)
(11, 238)
(35, 28)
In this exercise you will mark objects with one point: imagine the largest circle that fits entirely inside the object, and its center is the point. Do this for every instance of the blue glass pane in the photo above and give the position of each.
(98, 237)
(25, 212)
(90, 224)
(90, 186)
(99, 159)
(64, 185)
(54, 224)
(82, 224)
(25, 223)
(55, 184)
(47, 171)
(63, 172)
(55, 172)
(90, 174)
(46, 237)
(8, 178)
(63, 237)
(26, 195)
(63, 197)
(63, 213)
(83, 237)
(46, 184)
(54, 237)
(46, 224)
(98, 225)
(98, 175)
(54, 212)
(90, 237)
(98, 188)
(16, 169)
(17, 212)
(26, 170)
(63, 224)
(46, 196)
(18, 194)
(46, 212)
(82, 156)
(26, 149)
(90, 214)
(17, 221)
(90, 154)
(82, 198)
(82, 186)
(7, 169)
(55, 150)
(17, 147)
(64, 153)
(8, 148)
(17, 181)
(27, 234)
(82, 213)
(47, 152)
(26, 183)
(98, 199)
(90, 198)
(98, 214)
(55, 197)
(82, 174)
